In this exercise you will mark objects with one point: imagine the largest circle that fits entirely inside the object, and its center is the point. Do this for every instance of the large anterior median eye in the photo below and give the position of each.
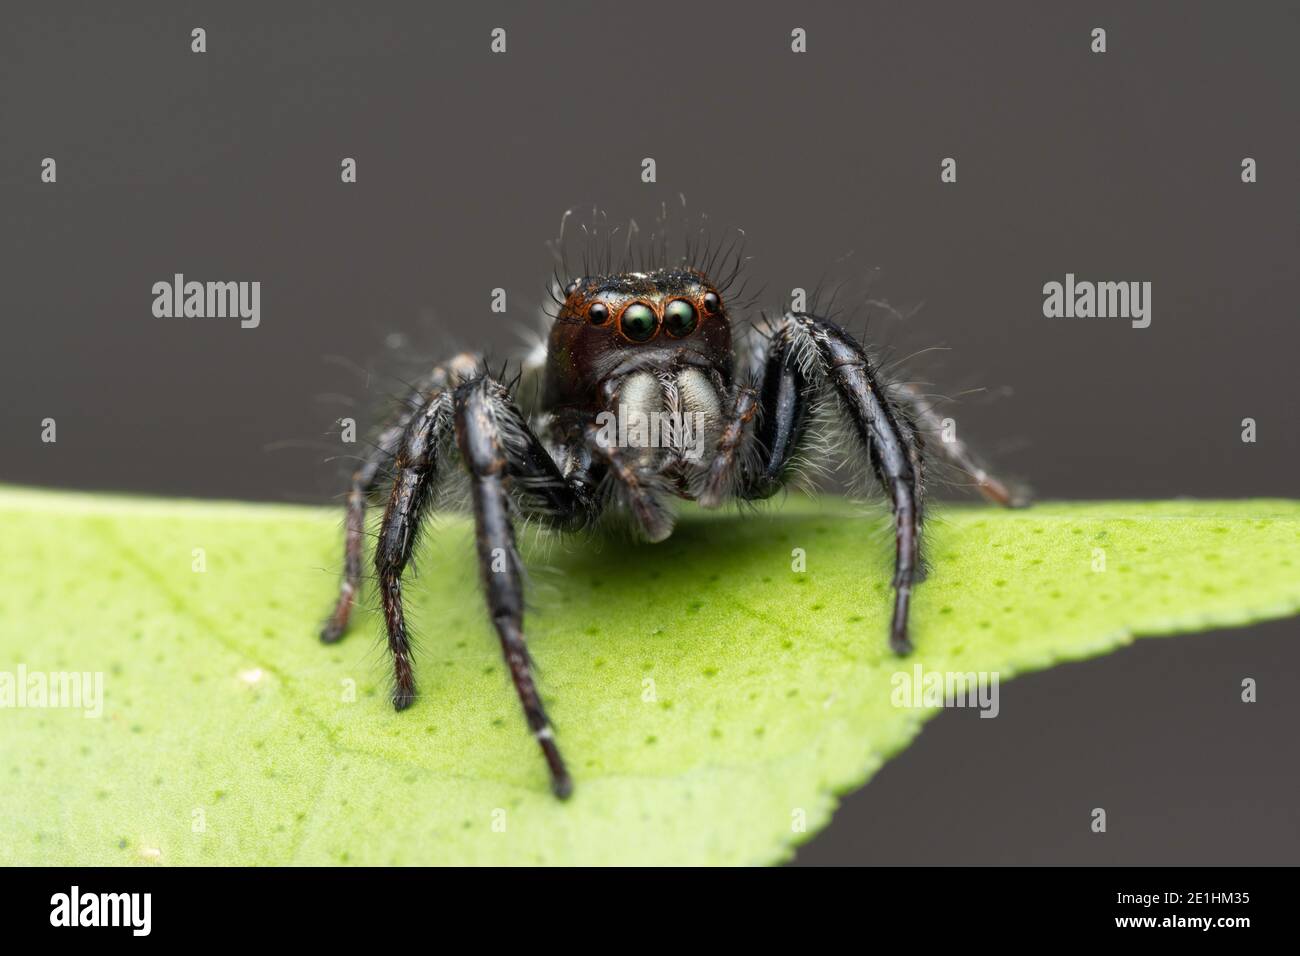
(680, 318)
(639, 322)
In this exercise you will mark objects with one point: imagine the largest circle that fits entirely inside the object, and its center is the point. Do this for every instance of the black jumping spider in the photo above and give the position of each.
(633, 343)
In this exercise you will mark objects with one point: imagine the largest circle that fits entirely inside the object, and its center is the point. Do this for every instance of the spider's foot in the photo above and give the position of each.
(337, 624)
(1020, 498)
(1007, 496)
(562, 787)
(403, 697)
(712, 494)
(561, 782)
(899, 641)
(332, 632)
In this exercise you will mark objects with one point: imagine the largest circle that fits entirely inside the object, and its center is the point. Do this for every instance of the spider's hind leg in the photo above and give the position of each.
(956, 451)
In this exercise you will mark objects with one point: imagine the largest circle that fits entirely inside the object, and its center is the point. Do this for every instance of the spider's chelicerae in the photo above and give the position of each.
(638, 346)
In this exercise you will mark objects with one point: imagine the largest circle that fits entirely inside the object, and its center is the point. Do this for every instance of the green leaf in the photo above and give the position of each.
(227, 735)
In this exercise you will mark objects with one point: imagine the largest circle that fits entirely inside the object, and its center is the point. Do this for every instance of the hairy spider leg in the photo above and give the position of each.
(419, 459)
(958, 452)
(366, 479)
(496, 443)
(799, 346)
(894, 448)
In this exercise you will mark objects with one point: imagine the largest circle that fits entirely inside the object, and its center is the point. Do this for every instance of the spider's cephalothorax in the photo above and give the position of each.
(641, 403)
(650, 355)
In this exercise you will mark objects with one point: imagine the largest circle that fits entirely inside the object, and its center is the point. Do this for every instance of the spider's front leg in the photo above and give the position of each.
(893, 446)
(497, 447)
(803, 353)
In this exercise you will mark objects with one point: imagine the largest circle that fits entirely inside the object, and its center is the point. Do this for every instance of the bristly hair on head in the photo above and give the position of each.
(589, 244)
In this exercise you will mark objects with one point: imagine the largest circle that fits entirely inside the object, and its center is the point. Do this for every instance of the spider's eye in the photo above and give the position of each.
(712, 304)
(679, 318)
(571, 288)
(598, 314)
(639, 323)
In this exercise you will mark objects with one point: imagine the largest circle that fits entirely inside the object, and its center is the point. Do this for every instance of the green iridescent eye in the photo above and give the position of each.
(680, 318)
(639, 322)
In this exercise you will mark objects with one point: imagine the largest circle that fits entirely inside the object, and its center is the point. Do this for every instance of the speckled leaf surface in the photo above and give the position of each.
(707, 696)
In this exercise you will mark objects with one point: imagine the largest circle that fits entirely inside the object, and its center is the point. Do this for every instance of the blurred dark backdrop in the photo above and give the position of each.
(1122, 166)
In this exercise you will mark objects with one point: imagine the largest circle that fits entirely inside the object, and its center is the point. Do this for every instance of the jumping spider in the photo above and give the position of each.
(632, 342)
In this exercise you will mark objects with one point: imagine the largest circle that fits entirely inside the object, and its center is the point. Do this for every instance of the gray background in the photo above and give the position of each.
(1122, 166)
